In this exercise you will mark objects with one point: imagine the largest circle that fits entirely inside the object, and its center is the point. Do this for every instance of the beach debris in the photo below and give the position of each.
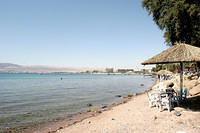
(89, 104)
(177, 113)
(141, 84)
(118, 96)
(89, 122)
(113, 119)
(89, 110)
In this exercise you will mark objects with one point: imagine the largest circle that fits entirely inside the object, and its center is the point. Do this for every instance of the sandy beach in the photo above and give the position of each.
(135, 116)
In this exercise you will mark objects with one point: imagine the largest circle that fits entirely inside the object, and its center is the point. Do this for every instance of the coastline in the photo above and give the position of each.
(131, 114)
(136, 116)
(67, 121)
(51, 120)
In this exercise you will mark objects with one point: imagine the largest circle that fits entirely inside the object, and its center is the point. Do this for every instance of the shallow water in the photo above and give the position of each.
(30, 98)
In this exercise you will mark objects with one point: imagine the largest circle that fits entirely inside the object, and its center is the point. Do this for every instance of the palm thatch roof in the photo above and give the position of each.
(164, 72)
(178, 53)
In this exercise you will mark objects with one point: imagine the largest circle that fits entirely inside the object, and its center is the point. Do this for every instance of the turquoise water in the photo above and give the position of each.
(28, 98)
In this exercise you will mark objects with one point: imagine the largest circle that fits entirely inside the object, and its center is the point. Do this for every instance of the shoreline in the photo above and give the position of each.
(52, 125)
(135, 116)
(79, 117)
(69, 120)
(67, 115)
(131, 114)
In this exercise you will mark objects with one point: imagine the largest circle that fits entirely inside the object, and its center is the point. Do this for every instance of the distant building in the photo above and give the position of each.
(109, 70)
(125, 70)
(87, 71)
(96, 71)
(146, 70)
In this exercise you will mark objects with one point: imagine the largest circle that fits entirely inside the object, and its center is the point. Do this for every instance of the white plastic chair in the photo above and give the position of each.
(153, 99)
(164, 100)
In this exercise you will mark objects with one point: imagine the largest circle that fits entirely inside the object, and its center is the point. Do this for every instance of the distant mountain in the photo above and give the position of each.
(14, 68)
(2, 65)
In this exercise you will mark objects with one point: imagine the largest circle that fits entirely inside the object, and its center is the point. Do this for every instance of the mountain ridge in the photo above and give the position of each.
(15, 68)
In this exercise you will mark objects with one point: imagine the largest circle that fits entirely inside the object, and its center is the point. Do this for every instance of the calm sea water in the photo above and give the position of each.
(27, 98)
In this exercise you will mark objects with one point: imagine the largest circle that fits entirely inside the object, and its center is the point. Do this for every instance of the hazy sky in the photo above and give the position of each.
(77, 33)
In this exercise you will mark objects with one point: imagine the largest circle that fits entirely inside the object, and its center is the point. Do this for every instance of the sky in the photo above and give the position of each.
(78, 33)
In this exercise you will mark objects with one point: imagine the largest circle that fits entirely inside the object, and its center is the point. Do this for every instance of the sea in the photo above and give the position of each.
(36, 98)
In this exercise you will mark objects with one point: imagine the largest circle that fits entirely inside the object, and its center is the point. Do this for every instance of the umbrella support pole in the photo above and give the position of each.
(181, 79)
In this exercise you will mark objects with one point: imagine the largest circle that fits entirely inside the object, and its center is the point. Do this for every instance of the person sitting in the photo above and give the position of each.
(172, 94)
(170, 88)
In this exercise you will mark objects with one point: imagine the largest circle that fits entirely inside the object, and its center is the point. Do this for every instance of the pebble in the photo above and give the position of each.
(155, 117)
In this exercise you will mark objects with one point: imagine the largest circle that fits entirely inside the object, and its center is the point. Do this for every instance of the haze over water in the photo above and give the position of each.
(29, 98)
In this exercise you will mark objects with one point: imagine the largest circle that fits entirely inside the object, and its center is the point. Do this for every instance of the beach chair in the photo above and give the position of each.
(165, 100)
(153, 99)
(184, 97)
(175, 99)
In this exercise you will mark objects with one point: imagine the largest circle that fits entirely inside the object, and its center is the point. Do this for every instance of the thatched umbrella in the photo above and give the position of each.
(178, 53)
(164, 72)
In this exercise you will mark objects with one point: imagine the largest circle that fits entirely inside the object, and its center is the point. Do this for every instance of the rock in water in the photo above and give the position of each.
(104, 106)
(89, 104)
(118, 96)
(130, 95)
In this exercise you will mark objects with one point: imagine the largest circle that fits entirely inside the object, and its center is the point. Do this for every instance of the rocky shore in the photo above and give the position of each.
(190, 81)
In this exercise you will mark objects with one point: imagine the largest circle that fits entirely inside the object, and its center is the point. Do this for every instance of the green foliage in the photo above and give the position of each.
(174, 67)
(169, 67)
(180, 19)
(158, 68)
